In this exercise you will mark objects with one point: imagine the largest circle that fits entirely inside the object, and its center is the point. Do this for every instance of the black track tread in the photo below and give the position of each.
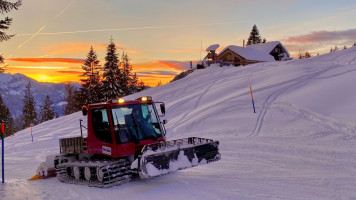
(116, 172)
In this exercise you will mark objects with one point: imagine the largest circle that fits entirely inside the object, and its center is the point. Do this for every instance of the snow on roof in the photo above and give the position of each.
(250, 53)
(267, 47)
(213, 47)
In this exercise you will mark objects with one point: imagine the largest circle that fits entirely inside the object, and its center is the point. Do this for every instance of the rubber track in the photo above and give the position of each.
(115, 172)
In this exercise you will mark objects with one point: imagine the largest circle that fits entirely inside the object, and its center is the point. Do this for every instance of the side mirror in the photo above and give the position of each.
(163, 108)
(165, 121)
(84, 110)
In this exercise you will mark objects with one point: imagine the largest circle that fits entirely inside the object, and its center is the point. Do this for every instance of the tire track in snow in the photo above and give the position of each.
(297, 82)
(347, 129)
(352, 61)
(201, 95)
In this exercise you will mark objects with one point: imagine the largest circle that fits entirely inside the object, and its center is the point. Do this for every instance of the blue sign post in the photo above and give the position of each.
(2, 148)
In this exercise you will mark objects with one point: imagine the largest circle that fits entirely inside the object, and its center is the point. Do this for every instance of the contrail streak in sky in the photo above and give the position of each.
(127, 29)
(64, 9)
(34, 35)
(39, 31)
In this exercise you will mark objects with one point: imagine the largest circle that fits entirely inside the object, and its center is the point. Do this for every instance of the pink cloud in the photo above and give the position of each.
(323, 36)
(172, 64)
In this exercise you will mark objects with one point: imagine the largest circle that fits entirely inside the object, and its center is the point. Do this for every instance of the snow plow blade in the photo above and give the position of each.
(35, 177)
(170, 156)
(45, 170)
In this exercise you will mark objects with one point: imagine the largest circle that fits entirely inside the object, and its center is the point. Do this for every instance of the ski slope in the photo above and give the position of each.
(300, 143)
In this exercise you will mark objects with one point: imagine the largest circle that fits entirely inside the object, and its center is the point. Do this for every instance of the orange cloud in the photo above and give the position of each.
(33, 68)
(70, 72)
(53, 78)
(71, 47)
(153, 72)
(37, 60)
(52, 70)
(81, 47)
(128, 50)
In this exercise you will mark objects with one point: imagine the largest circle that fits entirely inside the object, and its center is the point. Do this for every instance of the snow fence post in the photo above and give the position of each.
(253, 102)
(2, 151)
(31, 132)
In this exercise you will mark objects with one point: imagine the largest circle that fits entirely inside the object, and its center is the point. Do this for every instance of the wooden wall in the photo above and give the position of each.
(235, 59)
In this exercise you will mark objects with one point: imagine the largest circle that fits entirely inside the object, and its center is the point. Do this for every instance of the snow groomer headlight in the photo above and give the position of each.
(120, 100)
(148, 98)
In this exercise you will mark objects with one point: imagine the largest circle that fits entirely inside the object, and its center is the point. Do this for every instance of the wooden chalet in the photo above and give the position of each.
(263, 52)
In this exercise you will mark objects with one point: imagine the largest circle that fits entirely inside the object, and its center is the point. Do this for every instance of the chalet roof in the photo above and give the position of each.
(267, 47)
(250, 53)
(213, 47)
(256, 52)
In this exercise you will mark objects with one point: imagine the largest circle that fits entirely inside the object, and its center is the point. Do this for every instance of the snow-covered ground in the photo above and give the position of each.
(300, 143)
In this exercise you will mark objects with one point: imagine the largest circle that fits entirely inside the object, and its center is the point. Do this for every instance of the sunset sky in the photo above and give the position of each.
(161, 36)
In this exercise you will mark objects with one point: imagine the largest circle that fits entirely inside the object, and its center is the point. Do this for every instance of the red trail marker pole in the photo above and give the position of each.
(253, 102)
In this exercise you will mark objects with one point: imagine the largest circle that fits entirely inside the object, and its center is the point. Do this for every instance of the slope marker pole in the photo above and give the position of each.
(31, 132)
(2, 151)
(253, 102)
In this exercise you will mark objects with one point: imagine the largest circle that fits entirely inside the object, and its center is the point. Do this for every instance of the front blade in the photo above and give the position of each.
(165, 157)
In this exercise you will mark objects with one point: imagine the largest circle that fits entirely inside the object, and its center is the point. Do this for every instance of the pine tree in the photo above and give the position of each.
(112, 76)
(264, 40)
(345, 47)
(2, 68)
(47, 110)
(134, 84)
(79, 100)
(336, 48)
(129, 84)
(354, 44)
(300, 56)
(69, 97)
(90, 91)
(6, 118)
(126, 72)
(307, 55)
(331, 49)
(141, 86)
(6, 7)
(255, 37)
(29, 115)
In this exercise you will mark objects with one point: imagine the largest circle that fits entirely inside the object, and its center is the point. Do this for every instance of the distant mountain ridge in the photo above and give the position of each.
(12, 90)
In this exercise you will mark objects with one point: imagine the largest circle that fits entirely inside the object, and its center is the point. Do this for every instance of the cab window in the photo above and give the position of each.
(134, 123)
(101, 124)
